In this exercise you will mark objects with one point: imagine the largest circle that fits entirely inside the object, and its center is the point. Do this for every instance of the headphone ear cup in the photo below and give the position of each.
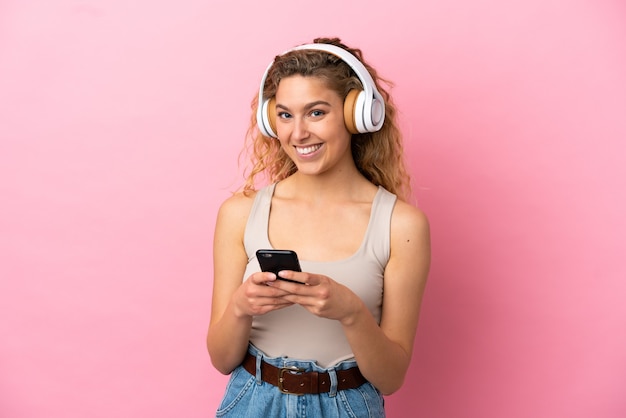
(349, 110)
(271, 115)
(266, 118)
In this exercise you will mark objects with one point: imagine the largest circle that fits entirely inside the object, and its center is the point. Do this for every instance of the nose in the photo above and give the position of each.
(300, 129)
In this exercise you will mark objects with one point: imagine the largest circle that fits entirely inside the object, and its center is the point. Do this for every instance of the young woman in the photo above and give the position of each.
(339, 335)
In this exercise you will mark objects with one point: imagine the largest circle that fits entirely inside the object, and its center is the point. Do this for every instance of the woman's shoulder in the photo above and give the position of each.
(409, 220)
(235, 209)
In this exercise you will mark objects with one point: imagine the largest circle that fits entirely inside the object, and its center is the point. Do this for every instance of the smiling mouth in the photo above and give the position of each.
(308, 150)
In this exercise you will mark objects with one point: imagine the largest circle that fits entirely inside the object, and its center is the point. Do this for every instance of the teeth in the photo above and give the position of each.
(308, 150)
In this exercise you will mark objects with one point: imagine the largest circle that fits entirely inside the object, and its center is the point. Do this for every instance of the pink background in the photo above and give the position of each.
(120, 127)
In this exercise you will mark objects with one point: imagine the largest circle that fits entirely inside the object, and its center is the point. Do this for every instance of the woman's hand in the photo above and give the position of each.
(254, 296)
(318, 294)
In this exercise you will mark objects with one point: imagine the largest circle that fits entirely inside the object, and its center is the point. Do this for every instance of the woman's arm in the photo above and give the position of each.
(227, 339)
(384, 353)
(235, 302)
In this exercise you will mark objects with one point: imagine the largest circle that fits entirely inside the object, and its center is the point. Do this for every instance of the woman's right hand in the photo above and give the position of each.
(256, 296)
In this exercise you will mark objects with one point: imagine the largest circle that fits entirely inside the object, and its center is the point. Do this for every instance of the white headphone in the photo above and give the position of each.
(364, 110)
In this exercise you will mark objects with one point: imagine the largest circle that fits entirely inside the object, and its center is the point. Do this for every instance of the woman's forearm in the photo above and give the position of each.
(382, 361)
(227, 340)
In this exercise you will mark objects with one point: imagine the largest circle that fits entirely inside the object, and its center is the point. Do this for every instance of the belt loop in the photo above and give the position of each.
(259, 361)
(332, 373)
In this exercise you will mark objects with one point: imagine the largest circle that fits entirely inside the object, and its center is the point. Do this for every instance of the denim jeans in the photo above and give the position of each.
(248, 396)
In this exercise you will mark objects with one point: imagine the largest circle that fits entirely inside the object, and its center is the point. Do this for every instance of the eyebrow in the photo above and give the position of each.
(307, 106)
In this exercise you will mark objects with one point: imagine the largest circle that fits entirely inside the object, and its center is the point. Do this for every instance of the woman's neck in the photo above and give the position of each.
(350, 185)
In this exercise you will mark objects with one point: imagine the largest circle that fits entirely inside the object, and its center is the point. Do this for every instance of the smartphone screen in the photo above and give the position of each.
(277, 260)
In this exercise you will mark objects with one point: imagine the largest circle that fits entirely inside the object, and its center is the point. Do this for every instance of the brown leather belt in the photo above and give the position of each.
(293, 381)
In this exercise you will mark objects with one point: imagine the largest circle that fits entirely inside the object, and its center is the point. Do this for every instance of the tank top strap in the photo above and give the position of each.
(377, 242)
(255, 235)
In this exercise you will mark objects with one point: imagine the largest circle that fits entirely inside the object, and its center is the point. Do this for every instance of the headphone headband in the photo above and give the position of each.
(367, 108)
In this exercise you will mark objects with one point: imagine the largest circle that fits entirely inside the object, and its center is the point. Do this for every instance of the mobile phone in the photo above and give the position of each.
(277, 260)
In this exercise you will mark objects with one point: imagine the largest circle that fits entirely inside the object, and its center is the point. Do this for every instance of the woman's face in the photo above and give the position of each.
(310, 125)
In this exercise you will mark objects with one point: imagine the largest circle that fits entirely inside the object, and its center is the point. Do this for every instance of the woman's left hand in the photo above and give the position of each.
(320, 295)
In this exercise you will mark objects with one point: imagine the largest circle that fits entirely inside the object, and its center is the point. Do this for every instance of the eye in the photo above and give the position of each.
(284, 115)
(317, 113)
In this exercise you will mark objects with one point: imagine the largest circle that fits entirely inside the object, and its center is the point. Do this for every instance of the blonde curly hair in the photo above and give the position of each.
(378, 155)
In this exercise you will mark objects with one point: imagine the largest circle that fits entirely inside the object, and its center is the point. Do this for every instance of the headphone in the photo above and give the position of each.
(363, 110)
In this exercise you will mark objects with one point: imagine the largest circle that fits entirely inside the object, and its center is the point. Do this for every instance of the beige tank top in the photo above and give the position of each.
(293, 331)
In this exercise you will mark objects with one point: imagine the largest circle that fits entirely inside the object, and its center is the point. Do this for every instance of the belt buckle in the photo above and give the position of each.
(281, 373)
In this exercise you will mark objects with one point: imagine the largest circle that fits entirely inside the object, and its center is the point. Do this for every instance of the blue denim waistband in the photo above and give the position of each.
(307, 365)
